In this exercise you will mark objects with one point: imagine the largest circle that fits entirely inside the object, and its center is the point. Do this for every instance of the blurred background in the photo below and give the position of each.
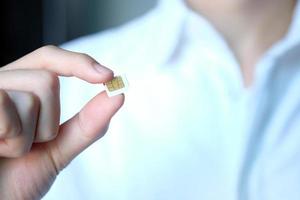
(27, 25)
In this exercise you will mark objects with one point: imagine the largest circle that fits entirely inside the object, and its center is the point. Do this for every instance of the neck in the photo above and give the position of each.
(250, 27)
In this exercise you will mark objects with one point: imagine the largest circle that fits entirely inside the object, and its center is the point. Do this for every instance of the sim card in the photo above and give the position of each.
(117, 85)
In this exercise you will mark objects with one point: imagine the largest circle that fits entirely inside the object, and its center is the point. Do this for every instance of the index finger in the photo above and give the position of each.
(63, 63)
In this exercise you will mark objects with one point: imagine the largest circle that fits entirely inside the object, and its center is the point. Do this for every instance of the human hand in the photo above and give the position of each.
(34, 148)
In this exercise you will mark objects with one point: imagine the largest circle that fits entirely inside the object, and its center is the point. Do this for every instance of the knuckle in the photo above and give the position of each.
(8, 129)
(48, 81)
(30, 101)
(84, 58)
(47, 137)
(3, 98)
(46, 49)
(7, 126)
(51, 136)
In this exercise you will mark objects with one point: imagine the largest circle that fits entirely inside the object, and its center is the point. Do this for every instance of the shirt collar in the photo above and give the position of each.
(172, 14)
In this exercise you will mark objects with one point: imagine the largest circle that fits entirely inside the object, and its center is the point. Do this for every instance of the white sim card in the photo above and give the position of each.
(117, 85)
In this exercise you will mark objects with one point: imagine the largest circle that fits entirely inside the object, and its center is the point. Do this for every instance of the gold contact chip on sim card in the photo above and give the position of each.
(117, 85)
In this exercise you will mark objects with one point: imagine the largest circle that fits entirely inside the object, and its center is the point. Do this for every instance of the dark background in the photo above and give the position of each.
(27, 25)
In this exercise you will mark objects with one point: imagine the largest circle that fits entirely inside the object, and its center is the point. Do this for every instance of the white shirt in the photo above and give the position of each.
(188, 129)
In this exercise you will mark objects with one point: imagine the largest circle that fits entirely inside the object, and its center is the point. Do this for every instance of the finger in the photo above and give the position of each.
(27, 108)
(84, 128)
(64, 63)
(10, 125)
(45, 86)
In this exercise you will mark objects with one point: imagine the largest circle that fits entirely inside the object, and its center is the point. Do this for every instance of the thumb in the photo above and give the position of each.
(83, 129)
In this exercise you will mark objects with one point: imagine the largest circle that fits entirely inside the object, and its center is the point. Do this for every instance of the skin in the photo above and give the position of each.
(34, 147)
(250, 27)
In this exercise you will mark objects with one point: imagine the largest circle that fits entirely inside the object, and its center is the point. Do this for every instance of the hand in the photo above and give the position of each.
(34, 148)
